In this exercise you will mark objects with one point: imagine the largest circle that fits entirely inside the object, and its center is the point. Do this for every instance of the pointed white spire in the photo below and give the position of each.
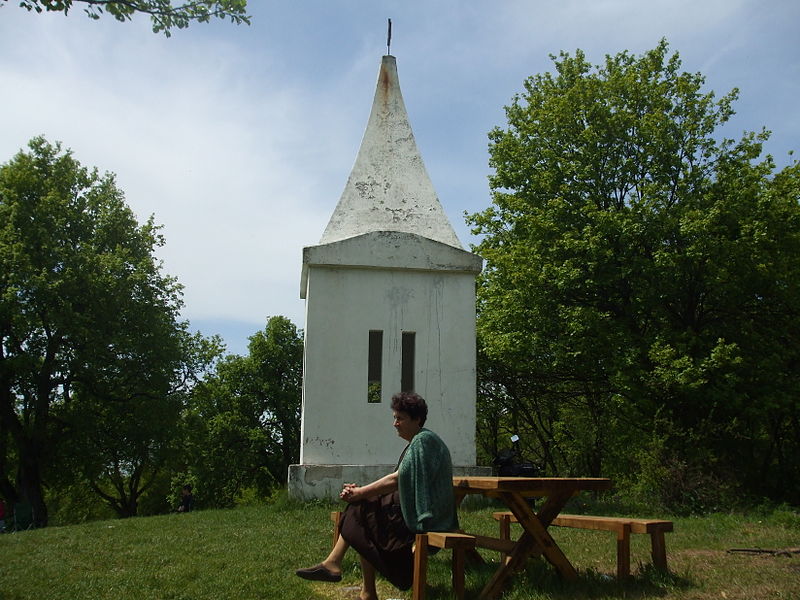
(389, 188)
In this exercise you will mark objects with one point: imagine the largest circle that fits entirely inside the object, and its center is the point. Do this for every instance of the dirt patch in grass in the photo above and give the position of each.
(701, 553)
(348, 591)
(733, 576)
(338, 591)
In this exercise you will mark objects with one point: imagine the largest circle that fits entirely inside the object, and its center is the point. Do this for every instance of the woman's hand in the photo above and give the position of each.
(354, 493)
(349, 492)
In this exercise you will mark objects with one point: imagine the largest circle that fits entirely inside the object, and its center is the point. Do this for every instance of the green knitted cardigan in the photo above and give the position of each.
(425, 483)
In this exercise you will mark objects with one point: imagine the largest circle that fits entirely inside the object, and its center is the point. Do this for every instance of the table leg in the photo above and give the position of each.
(505, 534)
(659, 550)
(536, 527)
(624, 551)
(526, 546)
(472, 555)
(551, 508)
(535, 541)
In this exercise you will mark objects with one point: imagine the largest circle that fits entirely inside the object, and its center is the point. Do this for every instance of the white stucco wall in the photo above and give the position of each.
(343, 304)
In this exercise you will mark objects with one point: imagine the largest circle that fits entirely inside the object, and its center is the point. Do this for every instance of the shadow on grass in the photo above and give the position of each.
(539, 581)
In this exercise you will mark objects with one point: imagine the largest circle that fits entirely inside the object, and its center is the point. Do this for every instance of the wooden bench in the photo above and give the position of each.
(622, 526)
(459, 543)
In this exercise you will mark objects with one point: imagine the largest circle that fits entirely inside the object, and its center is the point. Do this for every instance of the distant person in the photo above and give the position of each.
(383, 517)
(2, 516)
(186, 499)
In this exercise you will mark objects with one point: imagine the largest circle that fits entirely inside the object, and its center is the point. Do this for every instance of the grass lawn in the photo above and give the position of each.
(252, 552)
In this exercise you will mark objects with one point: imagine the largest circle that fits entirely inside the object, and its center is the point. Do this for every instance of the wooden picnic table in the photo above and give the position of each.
(535, 540)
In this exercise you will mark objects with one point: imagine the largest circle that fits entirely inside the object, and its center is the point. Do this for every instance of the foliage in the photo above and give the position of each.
(104, 391)
(243, 421)
(91, 352)
(164, 14)
(125, 438)
(642, 280)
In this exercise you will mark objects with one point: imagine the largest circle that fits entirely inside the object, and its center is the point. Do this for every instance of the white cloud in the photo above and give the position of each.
(192, 140)
(240, 139)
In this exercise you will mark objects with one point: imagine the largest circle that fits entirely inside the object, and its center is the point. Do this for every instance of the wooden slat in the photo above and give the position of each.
(605, 523)
(638, 526)
(506, 545)
(336, 517)
(531, 486)
(420, 567)
(592, 523)
(442, 539)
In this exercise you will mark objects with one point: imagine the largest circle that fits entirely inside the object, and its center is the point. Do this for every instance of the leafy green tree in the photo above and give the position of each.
(124, 431)
(273, 383)
(165, 15)
(243, 424)
(88, 322)
(642, 277)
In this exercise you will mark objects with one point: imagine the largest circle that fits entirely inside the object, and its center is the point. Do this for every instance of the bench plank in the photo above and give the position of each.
(610, 523)
(447, 539)
(622, 526)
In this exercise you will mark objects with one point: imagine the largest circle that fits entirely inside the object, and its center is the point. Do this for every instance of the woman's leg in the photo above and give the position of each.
(329, 569)
(334, 561)
(368, 590)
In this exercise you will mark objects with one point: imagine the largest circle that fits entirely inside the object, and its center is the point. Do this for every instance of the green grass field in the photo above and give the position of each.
(252, 552)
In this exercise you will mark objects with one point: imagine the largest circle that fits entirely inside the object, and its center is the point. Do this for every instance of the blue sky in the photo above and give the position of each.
(239, 139)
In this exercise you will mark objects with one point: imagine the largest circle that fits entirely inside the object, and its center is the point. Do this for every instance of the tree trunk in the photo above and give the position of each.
(29, 480)
(29, 484)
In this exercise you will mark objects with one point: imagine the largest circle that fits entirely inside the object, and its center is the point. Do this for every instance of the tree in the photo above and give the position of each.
(124, 432)
(88, 322)
(642, 276)
(243, 423)
(164, 15)
(273, 383)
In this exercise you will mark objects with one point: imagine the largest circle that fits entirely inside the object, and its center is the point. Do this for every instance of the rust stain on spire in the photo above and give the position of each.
(384, 82)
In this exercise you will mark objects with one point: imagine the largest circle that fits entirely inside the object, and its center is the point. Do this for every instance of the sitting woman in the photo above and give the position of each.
(382, 518)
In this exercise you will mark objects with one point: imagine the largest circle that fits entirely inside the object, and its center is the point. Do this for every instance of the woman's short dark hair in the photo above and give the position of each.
(412, 404)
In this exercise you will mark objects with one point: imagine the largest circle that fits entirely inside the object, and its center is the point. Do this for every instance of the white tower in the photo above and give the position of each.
(390, 306)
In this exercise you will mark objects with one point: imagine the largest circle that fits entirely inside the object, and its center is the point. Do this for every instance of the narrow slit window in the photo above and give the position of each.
(374, 364)
(407, 362)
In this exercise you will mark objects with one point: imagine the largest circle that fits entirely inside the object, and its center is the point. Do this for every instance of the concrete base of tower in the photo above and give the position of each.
(324, 482)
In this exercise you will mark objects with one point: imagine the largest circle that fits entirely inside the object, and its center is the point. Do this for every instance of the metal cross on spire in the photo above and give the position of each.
(389, 39)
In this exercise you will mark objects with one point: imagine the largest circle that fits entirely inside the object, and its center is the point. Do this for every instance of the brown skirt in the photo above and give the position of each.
(376, 530)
